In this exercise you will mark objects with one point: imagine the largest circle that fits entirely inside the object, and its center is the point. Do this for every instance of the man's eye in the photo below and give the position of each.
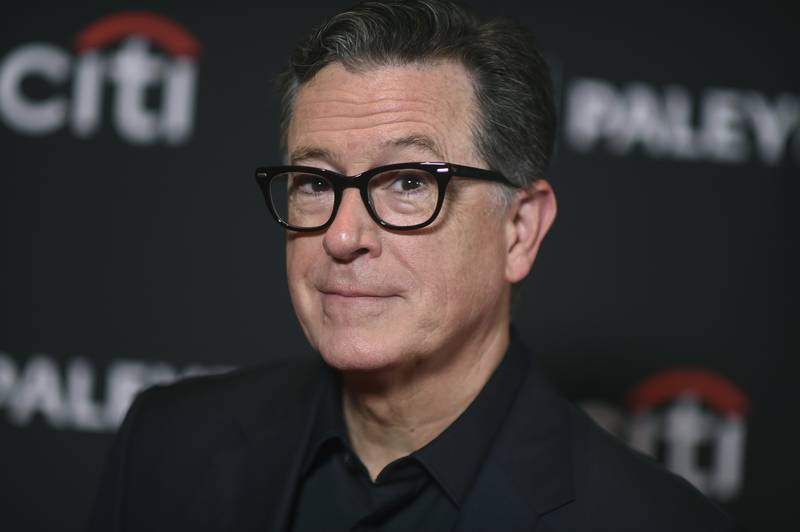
(410, 182)
(310, 184)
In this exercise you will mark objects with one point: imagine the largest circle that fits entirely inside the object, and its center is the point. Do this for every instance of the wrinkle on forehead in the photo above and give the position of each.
(351, 104)
(339, 110)
(422, 142)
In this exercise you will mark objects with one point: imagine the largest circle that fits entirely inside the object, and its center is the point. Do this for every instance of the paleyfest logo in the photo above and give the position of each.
(154, 54)
(692, 420)
(716, 125)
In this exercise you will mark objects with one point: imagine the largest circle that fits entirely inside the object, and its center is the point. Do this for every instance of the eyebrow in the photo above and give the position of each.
(418, 141)
(310, 152)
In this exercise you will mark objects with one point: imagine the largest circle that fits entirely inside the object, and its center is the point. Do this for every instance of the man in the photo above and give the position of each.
(417, 138)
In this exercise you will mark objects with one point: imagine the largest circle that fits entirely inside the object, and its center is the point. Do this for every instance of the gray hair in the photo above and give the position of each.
(516, 118)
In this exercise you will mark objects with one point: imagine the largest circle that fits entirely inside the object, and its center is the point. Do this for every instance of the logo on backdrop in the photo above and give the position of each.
(692, 420)
(720, 125)
(143, 63)
(76, 394)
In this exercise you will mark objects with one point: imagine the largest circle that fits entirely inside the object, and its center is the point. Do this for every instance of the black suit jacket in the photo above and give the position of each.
(224, 453)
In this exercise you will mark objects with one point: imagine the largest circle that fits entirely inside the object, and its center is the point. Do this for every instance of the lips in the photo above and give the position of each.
(355, 302)
(357, 290)
(355, 293)
(352, 286)
(353, 307)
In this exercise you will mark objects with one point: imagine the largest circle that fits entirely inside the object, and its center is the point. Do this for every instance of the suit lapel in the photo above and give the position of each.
(528, 471)
(254, 482)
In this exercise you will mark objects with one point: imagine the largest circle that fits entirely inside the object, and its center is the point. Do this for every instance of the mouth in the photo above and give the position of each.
(355, 294)
(358, 311)
(358, 298)
(355, 302)
(346, 295)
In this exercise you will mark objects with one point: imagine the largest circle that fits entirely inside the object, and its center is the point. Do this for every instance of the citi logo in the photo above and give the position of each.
(691, 420)
(149, 78)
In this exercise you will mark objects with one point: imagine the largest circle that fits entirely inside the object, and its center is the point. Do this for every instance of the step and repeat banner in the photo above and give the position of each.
(135, 246)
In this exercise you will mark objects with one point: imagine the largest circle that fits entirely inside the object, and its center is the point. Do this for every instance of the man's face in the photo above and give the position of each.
(368, 298)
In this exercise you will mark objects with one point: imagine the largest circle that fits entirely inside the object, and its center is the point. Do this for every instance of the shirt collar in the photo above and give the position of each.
(329, 430)
(453, 458)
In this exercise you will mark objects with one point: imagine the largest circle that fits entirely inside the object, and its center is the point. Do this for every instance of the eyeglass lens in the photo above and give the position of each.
(400, 197)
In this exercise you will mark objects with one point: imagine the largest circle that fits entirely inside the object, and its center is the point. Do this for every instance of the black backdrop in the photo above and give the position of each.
(135, 246)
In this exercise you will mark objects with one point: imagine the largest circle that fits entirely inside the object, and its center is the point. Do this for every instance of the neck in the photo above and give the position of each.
(393, 412)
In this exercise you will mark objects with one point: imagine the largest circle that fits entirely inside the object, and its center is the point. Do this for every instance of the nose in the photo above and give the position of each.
(353, 233)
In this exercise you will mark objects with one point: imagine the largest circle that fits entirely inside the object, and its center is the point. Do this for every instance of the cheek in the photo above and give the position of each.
(474, 265)
(293, 265)
(301, 253)
(299, 259)
(459, 272)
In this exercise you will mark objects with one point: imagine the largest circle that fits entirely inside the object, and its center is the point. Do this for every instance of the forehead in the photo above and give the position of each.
(379, 114)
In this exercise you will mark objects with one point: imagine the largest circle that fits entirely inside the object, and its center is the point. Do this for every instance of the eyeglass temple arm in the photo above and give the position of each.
(480, 173)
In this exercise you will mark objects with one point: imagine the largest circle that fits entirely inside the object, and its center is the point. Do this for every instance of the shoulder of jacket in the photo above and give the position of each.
(272, 385)
(615, 479)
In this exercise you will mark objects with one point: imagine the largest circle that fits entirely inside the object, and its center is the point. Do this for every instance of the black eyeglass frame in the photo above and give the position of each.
(441, 171)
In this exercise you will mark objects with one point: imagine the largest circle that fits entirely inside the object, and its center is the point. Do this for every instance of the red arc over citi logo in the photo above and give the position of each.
(692, 420)
(683, 426)
(132, 70)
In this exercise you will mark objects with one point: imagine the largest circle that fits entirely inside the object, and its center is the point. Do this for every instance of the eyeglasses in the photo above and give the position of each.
(401, 197)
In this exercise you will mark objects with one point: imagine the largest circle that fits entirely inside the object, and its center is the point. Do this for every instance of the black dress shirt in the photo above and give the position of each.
(421, 491)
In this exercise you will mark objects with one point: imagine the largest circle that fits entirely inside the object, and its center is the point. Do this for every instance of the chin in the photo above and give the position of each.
(355, 351)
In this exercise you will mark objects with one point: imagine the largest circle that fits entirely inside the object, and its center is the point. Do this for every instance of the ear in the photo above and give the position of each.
(528, 219)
